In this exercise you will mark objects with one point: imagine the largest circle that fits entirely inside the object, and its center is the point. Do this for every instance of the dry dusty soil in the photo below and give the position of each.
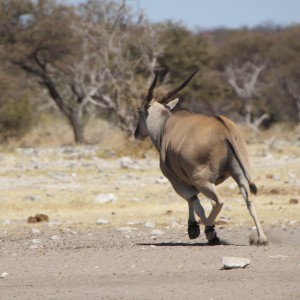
(116, 229)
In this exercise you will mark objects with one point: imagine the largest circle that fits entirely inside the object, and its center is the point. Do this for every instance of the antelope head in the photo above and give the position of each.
(154, 112)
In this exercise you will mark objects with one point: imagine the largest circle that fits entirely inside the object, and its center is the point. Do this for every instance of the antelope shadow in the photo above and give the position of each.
(190, 244)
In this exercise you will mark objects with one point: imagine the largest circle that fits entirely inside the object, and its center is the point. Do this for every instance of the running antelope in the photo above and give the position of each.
(197, 152)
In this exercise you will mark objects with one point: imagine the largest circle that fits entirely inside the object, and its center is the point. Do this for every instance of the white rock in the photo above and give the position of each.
(292, 222)
(157, 232)
(30, 198)
(135, 199)
(34, 241)
(223, 220)
(4, 275)
(234, 262)
(102, 222)
(161, 180)
(149, 224)
(34, 247)
(106, 198)
(130, 223)
(125, 229)
(35, 231)
(53, 223)
(126, 162)
(70, 231)
(279, 256)
(54, 237)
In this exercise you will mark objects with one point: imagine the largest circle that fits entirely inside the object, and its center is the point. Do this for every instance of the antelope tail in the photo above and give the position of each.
(232, 146)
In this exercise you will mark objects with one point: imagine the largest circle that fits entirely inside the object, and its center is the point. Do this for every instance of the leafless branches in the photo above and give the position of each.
(111, 53)
(244, 81)
(290, 88)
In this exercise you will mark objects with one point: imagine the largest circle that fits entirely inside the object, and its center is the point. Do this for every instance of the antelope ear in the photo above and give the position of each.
(172, 104)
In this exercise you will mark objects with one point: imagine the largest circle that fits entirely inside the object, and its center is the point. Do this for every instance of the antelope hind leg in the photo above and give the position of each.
(262, 239)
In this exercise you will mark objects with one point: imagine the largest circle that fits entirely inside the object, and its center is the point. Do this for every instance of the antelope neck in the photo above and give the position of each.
(158, 115)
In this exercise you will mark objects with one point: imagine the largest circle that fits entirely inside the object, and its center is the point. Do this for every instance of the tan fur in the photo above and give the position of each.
(198, 152)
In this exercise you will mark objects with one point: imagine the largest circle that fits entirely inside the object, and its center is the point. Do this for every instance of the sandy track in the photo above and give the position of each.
(143, 252)
(135, 264)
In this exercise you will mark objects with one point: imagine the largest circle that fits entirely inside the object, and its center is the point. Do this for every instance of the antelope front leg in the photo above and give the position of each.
(193, 226)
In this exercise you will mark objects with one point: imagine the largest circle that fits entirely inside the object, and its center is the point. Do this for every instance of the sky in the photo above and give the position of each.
(210, 14)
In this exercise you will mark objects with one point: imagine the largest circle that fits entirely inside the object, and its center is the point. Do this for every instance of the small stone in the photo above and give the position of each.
(276, 177)
(31, 219)
(54, 237)
(125, 229)
(135, 199)
(157, 232)
(34, 241)
(34, 247)
(161, 180)
(42, 218)
(294, 201)
(35, 231)
(102, 222)
(149, 225)
(4, 275)
(132, 223)
(279, 256)
(54, 223)
(234, 262)
(38, 218)
(106, 198)
(274, 192)
(223, 220)
(126, 162)
(292, 222)
(30, 198)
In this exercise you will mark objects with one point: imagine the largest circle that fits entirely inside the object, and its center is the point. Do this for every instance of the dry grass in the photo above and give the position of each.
(65, 183)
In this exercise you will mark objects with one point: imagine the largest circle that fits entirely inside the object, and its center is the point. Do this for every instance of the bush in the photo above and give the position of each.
(16, 117)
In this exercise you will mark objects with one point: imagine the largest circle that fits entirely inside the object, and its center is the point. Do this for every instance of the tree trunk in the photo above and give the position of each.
(248, 111)
(77, 127)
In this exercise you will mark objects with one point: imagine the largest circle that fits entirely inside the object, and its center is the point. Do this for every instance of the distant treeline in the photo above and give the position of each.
(96, 60)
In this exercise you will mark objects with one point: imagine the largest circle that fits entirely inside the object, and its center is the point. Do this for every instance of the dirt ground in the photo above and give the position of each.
(117, 230)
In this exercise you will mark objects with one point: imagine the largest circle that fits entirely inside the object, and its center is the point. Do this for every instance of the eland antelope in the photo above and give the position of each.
(197, 152)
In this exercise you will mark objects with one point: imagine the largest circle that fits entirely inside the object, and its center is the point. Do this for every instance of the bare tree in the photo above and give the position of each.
(116, 46)
(85, 58)
(244, 81)
(290, 88)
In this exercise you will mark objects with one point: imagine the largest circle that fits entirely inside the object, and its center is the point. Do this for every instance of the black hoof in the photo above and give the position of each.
(258, 242)
(214, 241)
(193, 230)
(211, 236)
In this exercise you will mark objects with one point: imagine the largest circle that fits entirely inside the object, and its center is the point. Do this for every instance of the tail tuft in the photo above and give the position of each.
(253, 188)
